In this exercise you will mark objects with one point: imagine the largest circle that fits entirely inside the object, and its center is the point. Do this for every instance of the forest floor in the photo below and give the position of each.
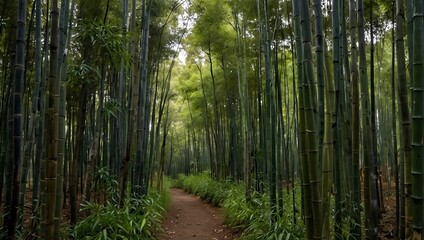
(388, 216)
(189, 217)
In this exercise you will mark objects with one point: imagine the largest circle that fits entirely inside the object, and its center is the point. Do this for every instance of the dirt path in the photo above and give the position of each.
(191, 218)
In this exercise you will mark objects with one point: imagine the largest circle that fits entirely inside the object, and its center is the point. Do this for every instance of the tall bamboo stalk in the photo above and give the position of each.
(371, 205)
(403, 107)
(355, 226)
(407, 206)
(394, 125)
(374, 156)
(271, 118)
(51, 126)
(38, 179)
(64, 42)
(306, 186)
(30, 113)
(17, 92)
(337, 74)
(310, 101)
(417, 170)
(328, 158)
(37, 80)
(319, 51)
(136, 101)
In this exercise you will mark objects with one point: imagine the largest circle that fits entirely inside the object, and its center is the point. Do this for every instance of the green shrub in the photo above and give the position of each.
(138, 218)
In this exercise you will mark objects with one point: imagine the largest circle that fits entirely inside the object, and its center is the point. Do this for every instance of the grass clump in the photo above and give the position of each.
(252, 217)
(138, 218)
(204, 187)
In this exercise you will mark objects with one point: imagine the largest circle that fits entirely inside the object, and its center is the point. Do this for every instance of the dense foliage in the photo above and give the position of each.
(138, 218)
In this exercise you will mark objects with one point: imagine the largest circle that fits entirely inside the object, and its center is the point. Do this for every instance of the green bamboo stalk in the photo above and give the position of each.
(121, 138)
(8, 60)
(338, 120)
(62, 68)
(51, 127)
(135, 124)
(355, 227)
(319, 51)
(375, 191)
(417, 170)
(328, 158)
(371, 226)
(30, 121)
(281, 147)
(244, 110)
(39, 133)
(217, 133)
(394, 126)
(136, 117)
(407, 176)
(403, 107)
(146, 98)
(8, 74)
(96, 141)
(261, 168)
(152, 136)
(206, 122)
(306, 186)
(271, 118)
(16, 97)
(310, 98)
(346, 128)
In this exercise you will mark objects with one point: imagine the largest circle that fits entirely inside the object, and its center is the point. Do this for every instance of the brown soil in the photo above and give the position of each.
(189, 217)
(388, 220)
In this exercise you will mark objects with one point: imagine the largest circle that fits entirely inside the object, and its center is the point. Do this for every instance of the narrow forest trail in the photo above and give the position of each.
(189, 217)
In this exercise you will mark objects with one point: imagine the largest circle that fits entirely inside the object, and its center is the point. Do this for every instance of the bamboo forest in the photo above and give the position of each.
(250, 119)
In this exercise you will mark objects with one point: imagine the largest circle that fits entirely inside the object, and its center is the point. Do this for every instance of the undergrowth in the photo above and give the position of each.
(138, 218)
(252, 217)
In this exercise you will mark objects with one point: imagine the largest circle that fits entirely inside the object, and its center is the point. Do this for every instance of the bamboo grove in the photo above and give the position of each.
(100, 100)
